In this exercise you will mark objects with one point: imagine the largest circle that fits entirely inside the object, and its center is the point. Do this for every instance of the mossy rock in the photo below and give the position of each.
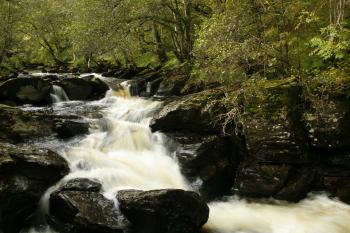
(17, 125)
(172, 85)
(327, 114)
(26, 173)
(25, 91)
(198, 112)
(272, 121)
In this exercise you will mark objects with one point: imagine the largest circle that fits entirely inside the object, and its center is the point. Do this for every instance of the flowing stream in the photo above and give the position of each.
(58, 94)
(121, 152)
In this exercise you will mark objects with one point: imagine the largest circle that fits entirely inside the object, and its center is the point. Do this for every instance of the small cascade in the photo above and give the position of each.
(58, 94)
(131, 87)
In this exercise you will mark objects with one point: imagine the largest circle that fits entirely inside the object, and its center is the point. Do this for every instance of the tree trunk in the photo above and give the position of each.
(160, 51)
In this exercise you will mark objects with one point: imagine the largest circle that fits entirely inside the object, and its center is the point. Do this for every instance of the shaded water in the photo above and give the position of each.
(121, 152)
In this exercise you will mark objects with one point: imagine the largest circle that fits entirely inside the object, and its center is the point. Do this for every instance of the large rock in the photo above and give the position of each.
(79, 207)
(25, 174)
(258, 180)
(284, 182)
(81, 184)
(17, 125)
(25, 91)
(339, 187)
(76, 88)
(300, 182)
(87, 88)
(163, 211)
(272, 122)
(70, 128)
(211, 158)
(195, 113)
(99, 88)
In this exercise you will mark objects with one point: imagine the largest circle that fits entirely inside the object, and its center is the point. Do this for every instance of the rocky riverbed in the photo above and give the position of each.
(107, 164)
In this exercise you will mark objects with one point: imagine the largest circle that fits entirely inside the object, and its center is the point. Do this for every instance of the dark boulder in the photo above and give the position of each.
(87, 88)
(259, 180)
(81, 184)
(338, 187)
(70, 128)
(211, 158)
(76, 88)
(25, 91)
(85, 210)
(334, 158)
(163, 211)
(25, 174)
(300, 182)
(195, 113)
(99, 88)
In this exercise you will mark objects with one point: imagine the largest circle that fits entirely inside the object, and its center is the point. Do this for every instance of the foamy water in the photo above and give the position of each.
(121, 152)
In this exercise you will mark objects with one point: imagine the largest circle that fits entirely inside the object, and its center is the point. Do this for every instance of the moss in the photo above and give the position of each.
(268, 98)
(333, 83)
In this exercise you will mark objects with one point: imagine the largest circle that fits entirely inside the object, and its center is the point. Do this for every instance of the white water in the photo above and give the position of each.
(58, 94)
(121, 152)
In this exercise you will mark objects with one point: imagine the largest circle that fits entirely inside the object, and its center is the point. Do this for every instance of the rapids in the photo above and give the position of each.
(121, 152)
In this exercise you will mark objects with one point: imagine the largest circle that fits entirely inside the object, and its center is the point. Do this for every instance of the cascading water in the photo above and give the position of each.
(121, 152)
(58, 94)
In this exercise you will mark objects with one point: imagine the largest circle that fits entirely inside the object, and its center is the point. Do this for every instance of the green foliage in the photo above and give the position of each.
(228, 41)
(272, 39)
(332, 46)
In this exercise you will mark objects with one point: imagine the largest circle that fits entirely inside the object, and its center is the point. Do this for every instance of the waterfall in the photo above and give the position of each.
(131, 86)
(122, 153)
(58, 94)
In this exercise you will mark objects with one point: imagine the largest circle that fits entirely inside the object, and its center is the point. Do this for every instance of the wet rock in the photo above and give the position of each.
(17, 125)
(272, 123)
(300, 182)
(87, 88)
(163, 211)
(194, 113)
(99, 88)
(335, 158)
(70, 128)
(212, 159)
(25, 174)
(51, 77)
(25, 91)
(81, 184)
(83, 211)
(339, 187)
(259, 180)
(76, 88)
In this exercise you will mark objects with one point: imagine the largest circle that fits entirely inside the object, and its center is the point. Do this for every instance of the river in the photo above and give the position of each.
(121, 152)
